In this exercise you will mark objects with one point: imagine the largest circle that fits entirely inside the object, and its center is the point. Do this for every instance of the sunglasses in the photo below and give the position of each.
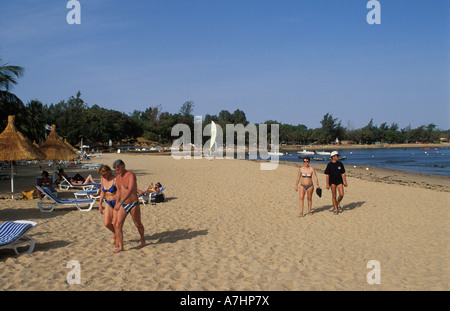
(306, 161)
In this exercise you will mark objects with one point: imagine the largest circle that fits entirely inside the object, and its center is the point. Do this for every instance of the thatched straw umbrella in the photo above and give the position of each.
(14, 147)
(70, 146)
(55, 148)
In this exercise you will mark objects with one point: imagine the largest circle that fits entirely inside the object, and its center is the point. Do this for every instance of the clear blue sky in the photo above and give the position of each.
(291, 60)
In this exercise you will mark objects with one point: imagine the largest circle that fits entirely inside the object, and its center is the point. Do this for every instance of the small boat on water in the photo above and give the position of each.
(323, 153)
(305, 152)
(275, 153)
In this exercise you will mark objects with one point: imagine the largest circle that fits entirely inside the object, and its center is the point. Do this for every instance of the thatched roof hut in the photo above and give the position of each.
(14, 147)
(55, 148)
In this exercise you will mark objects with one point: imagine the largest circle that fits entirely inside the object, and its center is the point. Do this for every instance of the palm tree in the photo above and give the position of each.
(9, 75)
(10, 104)
(330, 129)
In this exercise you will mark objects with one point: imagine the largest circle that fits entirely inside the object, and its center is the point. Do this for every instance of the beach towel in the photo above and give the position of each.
(28, 195)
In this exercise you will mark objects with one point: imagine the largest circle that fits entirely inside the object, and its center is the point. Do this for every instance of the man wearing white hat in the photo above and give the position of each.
(336, 180)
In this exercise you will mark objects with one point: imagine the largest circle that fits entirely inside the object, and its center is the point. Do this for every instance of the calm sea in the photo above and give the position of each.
(426, 161)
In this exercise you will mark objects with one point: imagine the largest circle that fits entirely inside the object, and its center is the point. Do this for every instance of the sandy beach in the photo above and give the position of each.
(227, 225)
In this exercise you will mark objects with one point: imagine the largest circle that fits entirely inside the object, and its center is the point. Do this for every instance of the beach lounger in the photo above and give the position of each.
(150, 199)
(13, 234)
(49, 205)
(91, 194)
(91, 166)
(66, 185)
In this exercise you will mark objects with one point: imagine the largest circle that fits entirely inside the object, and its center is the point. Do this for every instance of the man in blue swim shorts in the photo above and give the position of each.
(127, 201)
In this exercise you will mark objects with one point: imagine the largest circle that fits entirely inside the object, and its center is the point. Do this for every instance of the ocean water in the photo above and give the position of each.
(434, 161)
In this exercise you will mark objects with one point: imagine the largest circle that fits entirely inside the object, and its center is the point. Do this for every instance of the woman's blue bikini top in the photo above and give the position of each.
(111, 189)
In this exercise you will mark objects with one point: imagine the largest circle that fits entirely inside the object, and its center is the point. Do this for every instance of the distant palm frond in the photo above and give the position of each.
(9, 75)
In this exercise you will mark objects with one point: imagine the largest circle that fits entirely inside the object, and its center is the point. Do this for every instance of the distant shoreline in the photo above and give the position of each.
(384, 175)
(437, 179)
(318, 148)
(357, 146)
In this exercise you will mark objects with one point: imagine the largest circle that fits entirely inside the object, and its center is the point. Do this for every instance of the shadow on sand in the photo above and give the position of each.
(173, 236)
(345, 207)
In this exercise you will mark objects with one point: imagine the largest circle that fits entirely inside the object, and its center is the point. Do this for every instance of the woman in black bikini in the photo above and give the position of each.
(305, 176)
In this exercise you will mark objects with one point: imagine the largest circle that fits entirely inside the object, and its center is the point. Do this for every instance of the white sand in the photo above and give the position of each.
(227, 225)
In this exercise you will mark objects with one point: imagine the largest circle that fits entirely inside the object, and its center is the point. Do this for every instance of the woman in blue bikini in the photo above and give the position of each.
(305, 176)
(108, 195)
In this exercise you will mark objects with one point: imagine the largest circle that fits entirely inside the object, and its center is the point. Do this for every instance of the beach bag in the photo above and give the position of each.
(159, 198)
(319, 192)
(78, 177)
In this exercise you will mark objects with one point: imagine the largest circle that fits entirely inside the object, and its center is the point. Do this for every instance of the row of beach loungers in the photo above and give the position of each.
(14, 234)
(90, 191)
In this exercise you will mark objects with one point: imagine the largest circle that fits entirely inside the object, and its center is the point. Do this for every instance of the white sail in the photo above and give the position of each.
(213, 144)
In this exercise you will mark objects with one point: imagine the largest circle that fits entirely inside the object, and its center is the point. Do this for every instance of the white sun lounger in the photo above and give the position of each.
(91, 194)
(66, 185)
(91, 166)
(13, 234)
(49, 205)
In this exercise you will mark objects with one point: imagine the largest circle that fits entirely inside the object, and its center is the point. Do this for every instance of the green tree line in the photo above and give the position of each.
(96, 125)
(74, 119)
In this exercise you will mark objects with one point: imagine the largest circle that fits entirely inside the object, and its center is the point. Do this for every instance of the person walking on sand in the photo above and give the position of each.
(127, 201)
(305, 176)
(108, 195)
(336, 180)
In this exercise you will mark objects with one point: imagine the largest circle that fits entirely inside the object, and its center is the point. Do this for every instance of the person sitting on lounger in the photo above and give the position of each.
(150, 189)
(45, 181)
(77, 179)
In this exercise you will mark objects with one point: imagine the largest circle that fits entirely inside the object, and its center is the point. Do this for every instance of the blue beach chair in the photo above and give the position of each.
(49, 205)
(13, 234)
